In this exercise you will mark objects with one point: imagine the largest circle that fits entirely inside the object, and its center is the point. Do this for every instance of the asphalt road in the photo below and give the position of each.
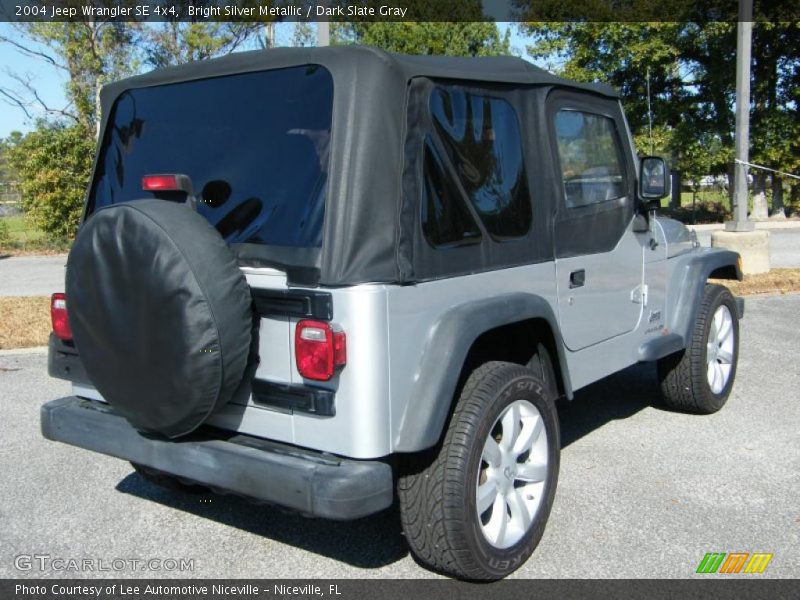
(32, 275)
(643, 492)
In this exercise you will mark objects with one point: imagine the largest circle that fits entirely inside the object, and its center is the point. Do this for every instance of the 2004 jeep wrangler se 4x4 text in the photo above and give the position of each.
(331, 278)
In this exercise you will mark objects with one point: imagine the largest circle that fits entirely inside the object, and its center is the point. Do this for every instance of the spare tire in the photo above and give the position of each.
(160, 312)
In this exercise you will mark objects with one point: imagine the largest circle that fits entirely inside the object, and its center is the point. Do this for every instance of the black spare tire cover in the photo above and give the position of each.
(160, 313)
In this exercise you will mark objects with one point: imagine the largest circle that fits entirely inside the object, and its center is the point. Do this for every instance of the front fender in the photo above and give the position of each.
(443, 356)
(687, 278)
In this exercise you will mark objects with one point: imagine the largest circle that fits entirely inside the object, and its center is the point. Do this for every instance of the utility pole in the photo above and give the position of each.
(740, 234)
(324, 27)
(323, 33)
(744, 37)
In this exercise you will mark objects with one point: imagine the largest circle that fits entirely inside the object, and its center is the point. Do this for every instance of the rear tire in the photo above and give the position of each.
(699, 379)
(477, 507)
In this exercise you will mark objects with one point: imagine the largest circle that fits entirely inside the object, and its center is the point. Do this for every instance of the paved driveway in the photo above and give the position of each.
(32, 275)
(643, 492)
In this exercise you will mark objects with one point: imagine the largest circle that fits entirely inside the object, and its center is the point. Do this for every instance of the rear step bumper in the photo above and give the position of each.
(308, 482)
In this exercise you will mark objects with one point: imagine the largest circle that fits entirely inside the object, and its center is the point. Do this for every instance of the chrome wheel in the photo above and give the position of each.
(512, 474)
(720, 349)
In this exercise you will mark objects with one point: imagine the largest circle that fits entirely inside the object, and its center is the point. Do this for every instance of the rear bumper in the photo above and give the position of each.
(309, 482)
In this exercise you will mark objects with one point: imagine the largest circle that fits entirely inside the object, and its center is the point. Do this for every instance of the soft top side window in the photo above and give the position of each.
(592, 165)
(481, 137)
(446, 220)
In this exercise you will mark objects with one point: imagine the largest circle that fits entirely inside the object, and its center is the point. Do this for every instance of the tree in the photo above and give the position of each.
(630, 57)
(454, 39)
(692, 80)
(175, 43)
(775, 122)
(94, 53)
(53, 162)
(454, 28)
(8, 176)
(304, 35)
(89, 53)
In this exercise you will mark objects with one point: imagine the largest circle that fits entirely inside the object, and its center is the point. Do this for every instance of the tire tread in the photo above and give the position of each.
(432, 512)
(682, 375)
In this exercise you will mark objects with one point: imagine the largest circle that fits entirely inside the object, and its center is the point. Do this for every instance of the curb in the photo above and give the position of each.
(787, 224)
(23, 351)
(6, 256)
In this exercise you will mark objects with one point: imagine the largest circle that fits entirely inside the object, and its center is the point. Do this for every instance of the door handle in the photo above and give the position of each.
(577, 278)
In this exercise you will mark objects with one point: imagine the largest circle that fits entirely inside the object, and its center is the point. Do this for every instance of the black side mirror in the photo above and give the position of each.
(654, 181)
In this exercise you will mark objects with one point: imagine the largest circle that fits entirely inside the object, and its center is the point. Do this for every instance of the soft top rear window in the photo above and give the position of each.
(255, 146)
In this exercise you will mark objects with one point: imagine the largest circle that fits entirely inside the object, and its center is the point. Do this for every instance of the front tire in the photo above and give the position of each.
(477, 508)
(542, 365)
(699, 379)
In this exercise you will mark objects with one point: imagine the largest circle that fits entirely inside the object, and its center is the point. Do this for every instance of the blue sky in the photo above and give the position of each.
(49, 82)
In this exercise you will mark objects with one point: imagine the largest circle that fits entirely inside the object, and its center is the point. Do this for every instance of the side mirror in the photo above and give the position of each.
(654, 181)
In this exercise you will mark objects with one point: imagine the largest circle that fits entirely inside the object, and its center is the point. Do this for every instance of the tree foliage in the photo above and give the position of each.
(175, 43)
(303, 36)
(8, 176)
(88, 54)
(453, 39)
(52, 163)
(691, 71)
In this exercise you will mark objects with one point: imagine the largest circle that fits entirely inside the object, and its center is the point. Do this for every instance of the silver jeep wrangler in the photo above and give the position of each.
(329, 278)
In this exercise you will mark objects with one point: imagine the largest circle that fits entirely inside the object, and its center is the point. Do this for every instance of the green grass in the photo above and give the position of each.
(19, 236)
(20, 230)
(709, 197)
(704, 197)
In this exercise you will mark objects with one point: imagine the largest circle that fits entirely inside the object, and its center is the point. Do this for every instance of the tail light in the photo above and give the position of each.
(58, 315)
(165, 183)
(319, 349)
(171, 182)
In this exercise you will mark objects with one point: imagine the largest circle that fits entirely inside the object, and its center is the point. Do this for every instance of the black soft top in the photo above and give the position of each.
(494, 69)
(366, 235)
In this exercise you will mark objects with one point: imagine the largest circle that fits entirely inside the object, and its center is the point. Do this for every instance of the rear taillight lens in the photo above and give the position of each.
(161, 183)
(58, 315)
(319, 349)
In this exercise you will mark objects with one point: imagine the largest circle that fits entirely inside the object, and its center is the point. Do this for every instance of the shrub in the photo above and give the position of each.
(5, 234)
(53, 163)
(704, 212)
